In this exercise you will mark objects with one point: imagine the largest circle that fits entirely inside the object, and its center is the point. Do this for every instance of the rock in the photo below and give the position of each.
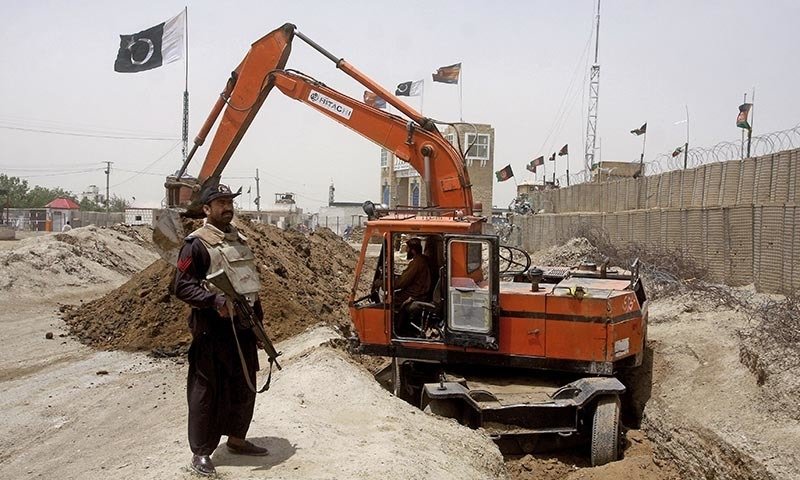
(48, 335)
(102, 372)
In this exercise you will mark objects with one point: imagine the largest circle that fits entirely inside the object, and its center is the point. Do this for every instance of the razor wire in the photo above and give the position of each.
(764, 144)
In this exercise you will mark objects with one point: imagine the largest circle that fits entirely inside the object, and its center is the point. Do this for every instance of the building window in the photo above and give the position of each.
(385, 195)
(415, 195)
(450, 138)
(479, 151)
(384, 157)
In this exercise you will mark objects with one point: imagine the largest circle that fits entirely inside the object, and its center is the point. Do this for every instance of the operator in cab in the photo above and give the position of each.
(219, 395)
(415, 281)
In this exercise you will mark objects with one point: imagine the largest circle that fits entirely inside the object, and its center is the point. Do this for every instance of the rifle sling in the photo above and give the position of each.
(245, 370)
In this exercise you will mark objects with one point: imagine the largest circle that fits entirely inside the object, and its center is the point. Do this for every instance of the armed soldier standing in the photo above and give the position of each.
(221, 399)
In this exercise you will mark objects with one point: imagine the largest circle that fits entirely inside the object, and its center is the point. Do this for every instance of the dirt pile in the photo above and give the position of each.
(81, 257)
(305, 280)
(569, 254)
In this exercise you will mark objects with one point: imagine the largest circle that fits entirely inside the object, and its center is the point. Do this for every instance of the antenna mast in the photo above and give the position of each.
(594, 96)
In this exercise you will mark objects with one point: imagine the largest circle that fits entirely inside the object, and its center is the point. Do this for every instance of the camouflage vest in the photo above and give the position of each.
(228, 252)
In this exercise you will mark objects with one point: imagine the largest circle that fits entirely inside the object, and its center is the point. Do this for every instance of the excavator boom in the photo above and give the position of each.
(416, 141)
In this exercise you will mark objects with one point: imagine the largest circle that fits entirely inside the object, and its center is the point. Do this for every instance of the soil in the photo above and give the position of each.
(306, 278)
(97, 414)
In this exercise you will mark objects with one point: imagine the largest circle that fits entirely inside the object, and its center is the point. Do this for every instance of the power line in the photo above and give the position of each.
(61, 174)
(80, 134)
(144, 170)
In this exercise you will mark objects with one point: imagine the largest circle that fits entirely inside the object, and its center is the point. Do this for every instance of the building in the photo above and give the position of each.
(401, 185)
(338, 216)
(284, 213)
(59, 212)
(609, 171)
(92, 193)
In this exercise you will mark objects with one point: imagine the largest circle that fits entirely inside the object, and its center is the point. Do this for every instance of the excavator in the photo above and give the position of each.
(532, 355)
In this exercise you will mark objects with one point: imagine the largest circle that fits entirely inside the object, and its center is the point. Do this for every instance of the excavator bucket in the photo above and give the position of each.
(168, 234)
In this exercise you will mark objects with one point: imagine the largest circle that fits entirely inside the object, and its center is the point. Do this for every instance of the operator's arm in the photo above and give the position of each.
(193, 262)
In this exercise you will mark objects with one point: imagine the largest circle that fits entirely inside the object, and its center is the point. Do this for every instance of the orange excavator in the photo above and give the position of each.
(528, 354)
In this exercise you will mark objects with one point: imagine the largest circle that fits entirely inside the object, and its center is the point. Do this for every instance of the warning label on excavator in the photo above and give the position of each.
(330, 104)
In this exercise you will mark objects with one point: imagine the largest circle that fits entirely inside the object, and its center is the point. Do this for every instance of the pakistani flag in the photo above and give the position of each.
(409, 89)
(677, 152)
(564, 150)
(504, 174)
(153, 47)
(741, 119)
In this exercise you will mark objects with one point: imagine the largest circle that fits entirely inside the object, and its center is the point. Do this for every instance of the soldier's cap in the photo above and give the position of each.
(215, 191)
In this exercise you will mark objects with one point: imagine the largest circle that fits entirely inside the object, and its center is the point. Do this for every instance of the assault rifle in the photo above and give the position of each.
(247, 318)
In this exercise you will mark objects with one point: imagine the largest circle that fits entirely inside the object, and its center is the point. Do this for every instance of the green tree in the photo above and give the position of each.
(87, 204)
(40, 196)
(118, 204)
(14, 189)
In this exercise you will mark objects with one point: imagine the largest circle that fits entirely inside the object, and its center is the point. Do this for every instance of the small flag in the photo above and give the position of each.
(409, 89)
(536, 162)
(153, 47)
(504, 174)
(640, 130)
(448, 74)
(552, 157)
(741, 119)
(564, 151)
(677, 152)
(373, 100)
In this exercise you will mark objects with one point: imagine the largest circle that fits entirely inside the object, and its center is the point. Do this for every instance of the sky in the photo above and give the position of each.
(525, 67)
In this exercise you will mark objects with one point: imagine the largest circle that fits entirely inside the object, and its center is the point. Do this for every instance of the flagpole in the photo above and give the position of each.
(568, 168)
(422, 97)
(461, 93)
(644, 141)
(752, 116)
(185, 136)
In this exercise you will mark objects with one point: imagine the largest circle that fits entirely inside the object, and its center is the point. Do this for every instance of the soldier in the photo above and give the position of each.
(220, 399)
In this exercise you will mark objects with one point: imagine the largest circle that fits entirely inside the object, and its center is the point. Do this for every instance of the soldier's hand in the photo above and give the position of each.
(223, 311)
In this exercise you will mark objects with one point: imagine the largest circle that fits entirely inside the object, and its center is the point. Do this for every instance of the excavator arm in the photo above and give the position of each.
(417, 141)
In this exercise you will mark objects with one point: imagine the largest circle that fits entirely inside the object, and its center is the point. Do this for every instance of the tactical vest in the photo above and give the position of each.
(228, 252)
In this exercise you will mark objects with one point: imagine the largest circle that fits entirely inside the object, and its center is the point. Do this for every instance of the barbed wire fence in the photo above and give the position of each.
(763, 144)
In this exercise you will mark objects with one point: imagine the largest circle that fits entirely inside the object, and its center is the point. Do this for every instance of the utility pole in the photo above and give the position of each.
(108, 199)
(258, 197)
(594, 98)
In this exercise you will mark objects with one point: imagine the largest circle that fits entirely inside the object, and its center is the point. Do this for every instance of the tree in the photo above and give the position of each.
(15, 189)
(119, 204)
(41, 196)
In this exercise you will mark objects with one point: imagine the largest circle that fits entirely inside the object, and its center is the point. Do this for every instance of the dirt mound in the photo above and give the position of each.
(305, 280)
(569, 254)
(79, 258)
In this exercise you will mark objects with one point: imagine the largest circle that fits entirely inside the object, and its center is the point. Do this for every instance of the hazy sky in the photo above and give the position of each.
(524, 63)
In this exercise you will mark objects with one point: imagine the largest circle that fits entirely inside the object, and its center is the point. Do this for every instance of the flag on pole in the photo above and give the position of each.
(504, 174)
(448, 74)
(373, 100)
(552, 157)
(741, 119)
(677, 151)
(409, 89)
(153, 47)
(564, 151)
(641, 130)
(536, 162)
